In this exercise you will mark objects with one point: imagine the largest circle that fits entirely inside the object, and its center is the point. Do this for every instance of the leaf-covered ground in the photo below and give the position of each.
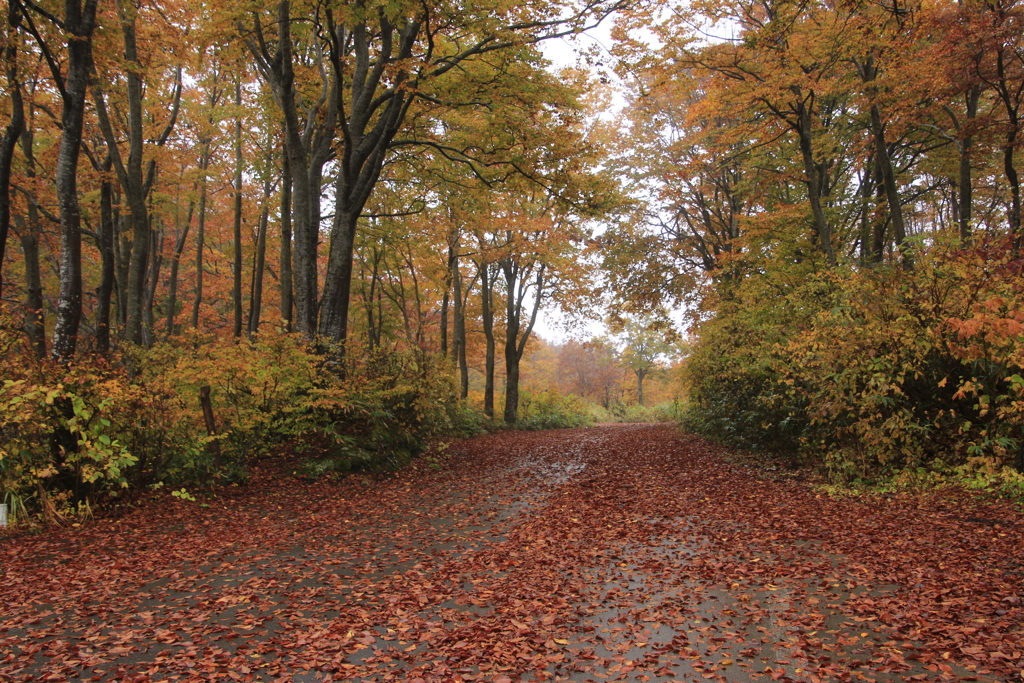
(612, 553)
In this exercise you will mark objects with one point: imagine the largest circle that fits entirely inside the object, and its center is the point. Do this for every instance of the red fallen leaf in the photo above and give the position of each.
(872, 544)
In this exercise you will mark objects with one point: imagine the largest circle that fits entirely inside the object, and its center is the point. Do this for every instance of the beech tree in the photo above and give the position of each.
(372, 64)
(76, 24)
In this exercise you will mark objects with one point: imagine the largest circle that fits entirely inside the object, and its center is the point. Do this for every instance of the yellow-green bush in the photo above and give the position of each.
(910, 367)
(75, 434)
(873, 371)
(552, 410)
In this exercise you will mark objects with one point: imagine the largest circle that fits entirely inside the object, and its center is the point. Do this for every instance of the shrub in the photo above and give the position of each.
(72, 435)
(910, 367)
(873, 372)
(551, 410)
(733, 373)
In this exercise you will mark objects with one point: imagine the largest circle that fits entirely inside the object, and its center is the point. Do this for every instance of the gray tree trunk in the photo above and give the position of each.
(286, 241)
(172, 284)
(256, 293)
(12, 133)
(487, 305)
(204, 164)
(79, 24)
(236, 283)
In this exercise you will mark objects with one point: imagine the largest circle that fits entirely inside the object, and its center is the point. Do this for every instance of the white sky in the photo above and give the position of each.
(552, 325)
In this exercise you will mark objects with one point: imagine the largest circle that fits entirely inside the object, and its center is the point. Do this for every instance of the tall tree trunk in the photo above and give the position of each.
(1010, 94)
(516, 336)
(867, 189)
(879, 219)
(204, 164)
(256, 293)
(35, 323)
(286, 240)
(459, 330)
(172, 280)
(308, 146)
(236, 283)
(371, 296)
(131, 177)
(156, 264)
(965, 189)
(814, 182)
(868, 70)
(487, 306)
(12, 132)
(122, 250)
(368, 131)
(106, 289)
(35, 320)
(338, 281)
(892, 194)
(79, 23)
(446, 298)
(135, 182)
(445, 305)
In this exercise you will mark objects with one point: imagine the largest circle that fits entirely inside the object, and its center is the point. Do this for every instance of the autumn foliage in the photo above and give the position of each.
(832, 191)
(98, 433)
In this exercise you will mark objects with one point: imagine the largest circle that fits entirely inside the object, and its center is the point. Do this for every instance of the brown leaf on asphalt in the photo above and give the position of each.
(630, 553)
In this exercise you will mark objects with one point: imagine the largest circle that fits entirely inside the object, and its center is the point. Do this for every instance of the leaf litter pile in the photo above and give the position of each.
(619, 553)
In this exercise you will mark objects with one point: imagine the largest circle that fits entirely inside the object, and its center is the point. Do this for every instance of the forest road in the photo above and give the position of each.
(612, 553)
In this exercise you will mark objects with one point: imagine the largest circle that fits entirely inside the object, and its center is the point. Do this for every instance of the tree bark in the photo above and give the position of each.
(308, 146)
(286, 241)
(35, 319)
(12, 133)
(867, 189)
(372, 123)
(79, 24)
(35, 322)
(814, 183)
(136, 182)
(236, 283)
(211, 424)
(172, 284)
(256, 294)
(156, 249)
(1011, 96)
(892, 194)
(459, 330)
(965, 189)
(204, 164)
(106, 289)
(487, 305)
(516, 336)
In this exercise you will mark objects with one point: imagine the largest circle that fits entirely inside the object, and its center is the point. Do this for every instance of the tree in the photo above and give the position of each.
(136, 175)
(375, 63)
(77, 24)
(645, 349)
(590, 369)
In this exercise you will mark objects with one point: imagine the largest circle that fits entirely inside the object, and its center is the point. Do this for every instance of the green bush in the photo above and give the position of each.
(873, 374)
(551, 410)
(733, 377)
(73, 435)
